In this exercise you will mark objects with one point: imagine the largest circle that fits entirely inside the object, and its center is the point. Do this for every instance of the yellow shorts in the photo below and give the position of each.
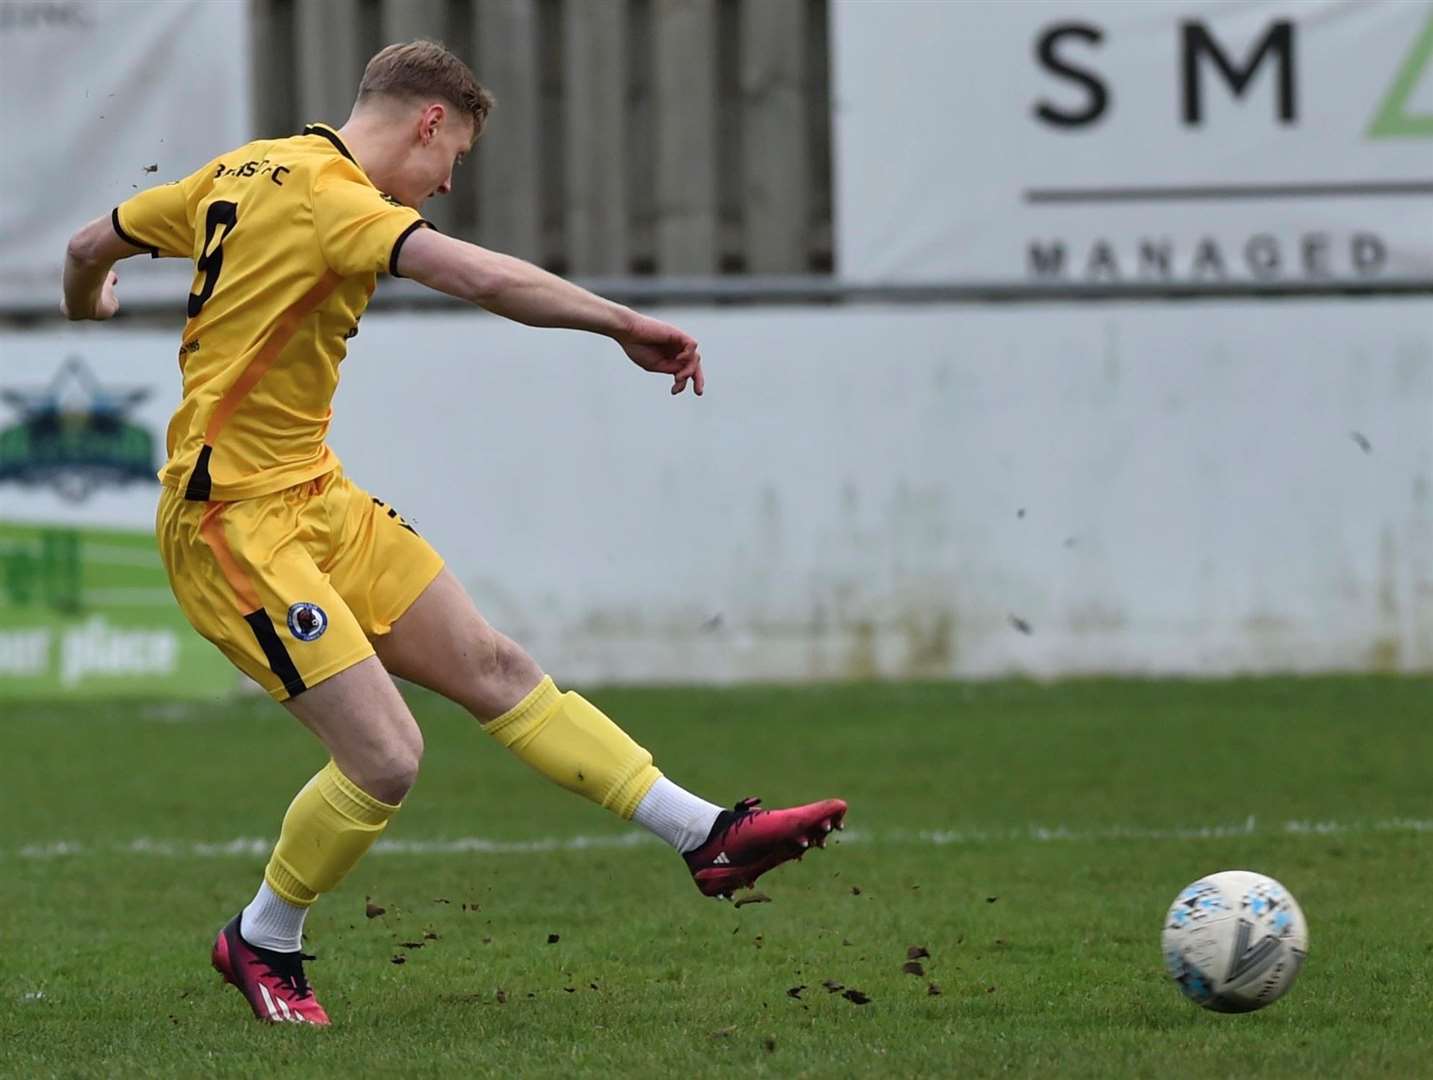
(292, 586)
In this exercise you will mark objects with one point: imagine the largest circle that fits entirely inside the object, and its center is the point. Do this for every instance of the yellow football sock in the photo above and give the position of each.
(569, 740)
(329, 825)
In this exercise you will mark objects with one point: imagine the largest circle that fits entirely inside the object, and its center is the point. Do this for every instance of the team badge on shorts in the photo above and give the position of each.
(307, 622)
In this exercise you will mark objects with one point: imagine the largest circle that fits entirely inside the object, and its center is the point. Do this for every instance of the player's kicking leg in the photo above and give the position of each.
(441, 642)
(375, 747)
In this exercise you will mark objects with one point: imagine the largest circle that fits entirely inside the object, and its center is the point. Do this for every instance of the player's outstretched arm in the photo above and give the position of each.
(89, 280)
(525, 293)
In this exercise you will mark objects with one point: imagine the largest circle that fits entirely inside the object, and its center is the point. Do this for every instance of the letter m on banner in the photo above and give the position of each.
(1198, 43)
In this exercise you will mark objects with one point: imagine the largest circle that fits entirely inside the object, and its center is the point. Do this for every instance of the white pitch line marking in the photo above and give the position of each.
(253, 847)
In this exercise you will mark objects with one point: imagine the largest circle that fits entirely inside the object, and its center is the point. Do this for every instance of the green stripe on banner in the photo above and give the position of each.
(88, 613)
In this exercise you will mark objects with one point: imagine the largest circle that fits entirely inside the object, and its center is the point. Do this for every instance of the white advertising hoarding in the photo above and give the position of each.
(925, 492)
(1131, 141)
(99, 99)
(863, 491)
(85, 604)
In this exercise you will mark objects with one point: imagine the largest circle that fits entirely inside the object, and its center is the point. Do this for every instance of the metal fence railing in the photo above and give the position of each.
(631, 138)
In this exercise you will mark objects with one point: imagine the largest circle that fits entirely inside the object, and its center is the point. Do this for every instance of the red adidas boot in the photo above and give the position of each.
(272, 982)
(747, 841)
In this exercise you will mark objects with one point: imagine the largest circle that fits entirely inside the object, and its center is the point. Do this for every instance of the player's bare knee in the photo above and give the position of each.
(501, 672)
(486, 655)
(402, 774)
(519, 670)
(387, 766)
(390, 775)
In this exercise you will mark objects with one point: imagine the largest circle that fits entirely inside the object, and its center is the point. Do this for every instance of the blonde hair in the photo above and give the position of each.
(423, 68)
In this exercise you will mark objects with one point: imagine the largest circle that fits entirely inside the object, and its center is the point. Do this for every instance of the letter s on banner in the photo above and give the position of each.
(1099, 96)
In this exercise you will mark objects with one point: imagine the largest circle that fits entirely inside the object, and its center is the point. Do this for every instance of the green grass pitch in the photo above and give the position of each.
(1028, 836)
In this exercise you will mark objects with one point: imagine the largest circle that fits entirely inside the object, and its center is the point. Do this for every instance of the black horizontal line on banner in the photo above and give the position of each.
(792, 290)
(1231, 192)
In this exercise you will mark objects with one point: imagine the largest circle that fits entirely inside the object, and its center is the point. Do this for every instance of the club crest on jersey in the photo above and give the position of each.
(307, 622)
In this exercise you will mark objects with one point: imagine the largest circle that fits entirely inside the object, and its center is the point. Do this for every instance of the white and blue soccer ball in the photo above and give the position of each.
(1235, 941)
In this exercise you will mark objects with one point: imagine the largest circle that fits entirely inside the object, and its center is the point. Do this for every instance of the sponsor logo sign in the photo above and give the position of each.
(1111, 142)
(74, 434)
(85, 604)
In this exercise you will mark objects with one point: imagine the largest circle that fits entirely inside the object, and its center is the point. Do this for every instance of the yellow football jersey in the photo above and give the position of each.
(288, 237)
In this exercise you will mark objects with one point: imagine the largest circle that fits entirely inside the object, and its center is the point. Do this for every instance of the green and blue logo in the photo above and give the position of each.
(74, 435)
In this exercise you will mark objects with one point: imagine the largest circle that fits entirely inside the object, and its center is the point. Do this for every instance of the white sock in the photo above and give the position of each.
(676, 815)
(271, 922)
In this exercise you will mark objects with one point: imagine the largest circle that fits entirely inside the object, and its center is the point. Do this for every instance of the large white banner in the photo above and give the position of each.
(98, 99)
(1155, 487)
(1134, 141)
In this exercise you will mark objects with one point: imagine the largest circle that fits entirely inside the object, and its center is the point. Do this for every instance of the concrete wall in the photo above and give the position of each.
(915, 491)
(886, 491)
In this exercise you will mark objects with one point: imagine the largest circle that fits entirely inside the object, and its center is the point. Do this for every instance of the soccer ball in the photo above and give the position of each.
(1234, 941)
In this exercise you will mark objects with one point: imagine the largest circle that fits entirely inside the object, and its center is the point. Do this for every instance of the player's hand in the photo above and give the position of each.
(108, 302)
(661, 348)
(105, 306)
